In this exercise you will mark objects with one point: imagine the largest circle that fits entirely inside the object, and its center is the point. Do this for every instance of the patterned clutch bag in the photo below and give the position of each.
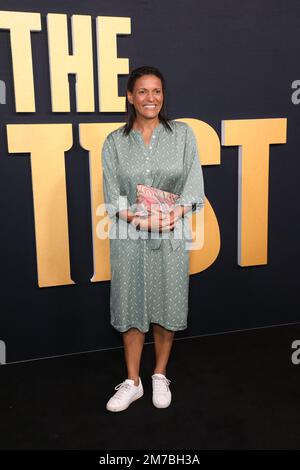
(146, 196)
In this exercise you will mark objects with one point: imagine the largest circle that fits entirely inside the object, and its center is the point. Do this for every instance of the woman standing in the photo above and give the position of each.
(149, 261)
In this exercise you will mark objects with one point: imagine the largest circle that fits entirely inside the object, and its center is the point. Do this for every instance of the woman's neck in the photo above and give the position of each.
(145, 125)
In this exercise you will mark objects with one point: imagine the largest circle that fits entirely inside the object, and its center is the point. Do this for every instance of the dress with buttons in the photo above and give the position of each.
(150, 271)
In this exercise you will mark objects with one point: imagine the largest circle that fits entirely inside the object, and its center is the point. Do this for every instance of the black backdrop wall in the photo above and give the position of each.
(222, 60)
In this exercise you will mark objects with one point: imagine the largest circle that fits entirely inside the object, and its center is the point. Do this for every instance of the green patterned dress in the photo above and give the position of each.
(150, 271)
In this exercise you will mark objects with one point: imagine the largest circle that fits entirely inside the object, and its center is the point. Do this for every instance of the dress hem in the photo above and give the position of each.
(123, 329)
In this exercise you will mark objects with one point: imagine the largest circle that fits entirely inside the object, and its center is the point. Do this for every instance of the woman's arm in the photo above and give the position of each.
(180, 211)
(156, 221)
(126, 214)
(129, 217)
(175, 214)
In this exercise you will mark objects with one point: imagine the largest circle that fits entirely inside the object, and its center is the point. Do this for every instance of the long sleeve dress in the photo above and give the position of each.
(150, 271)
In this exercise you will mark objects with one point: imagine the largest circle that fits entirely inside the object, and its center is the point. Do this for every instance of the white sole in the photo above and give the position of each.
(161, 406)
(136, 397)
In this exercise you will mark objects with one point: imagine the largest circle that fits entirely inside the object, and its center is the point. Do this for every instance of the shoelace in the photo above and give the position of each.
(122, 389)
(161, 384)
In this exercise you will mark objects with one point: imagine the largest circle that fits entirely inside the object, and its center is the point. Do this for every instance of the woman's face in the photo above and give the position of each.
(147, 96)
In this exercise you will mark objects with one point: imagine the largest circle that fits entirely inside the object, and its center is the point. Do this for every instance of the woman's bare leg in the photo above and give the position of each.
(133, 340)
(163, 340)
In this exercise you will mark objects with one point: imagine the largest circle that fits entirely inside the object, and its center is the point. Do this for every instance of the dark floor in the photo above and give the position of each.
(231, 391)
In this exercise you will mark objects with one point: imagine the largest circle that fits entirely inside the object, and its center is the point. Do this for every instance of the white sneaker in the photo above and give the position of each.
(126, 394)
(161, 394)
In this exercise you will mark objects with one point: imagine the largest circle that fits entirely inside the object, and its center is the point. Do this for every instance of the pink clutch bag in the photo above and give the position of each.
(146, 196)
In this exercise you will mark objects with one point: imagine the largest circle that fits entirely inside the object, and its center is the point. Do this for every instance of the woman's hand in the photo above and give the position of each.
(162, 221)
(155, 222)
